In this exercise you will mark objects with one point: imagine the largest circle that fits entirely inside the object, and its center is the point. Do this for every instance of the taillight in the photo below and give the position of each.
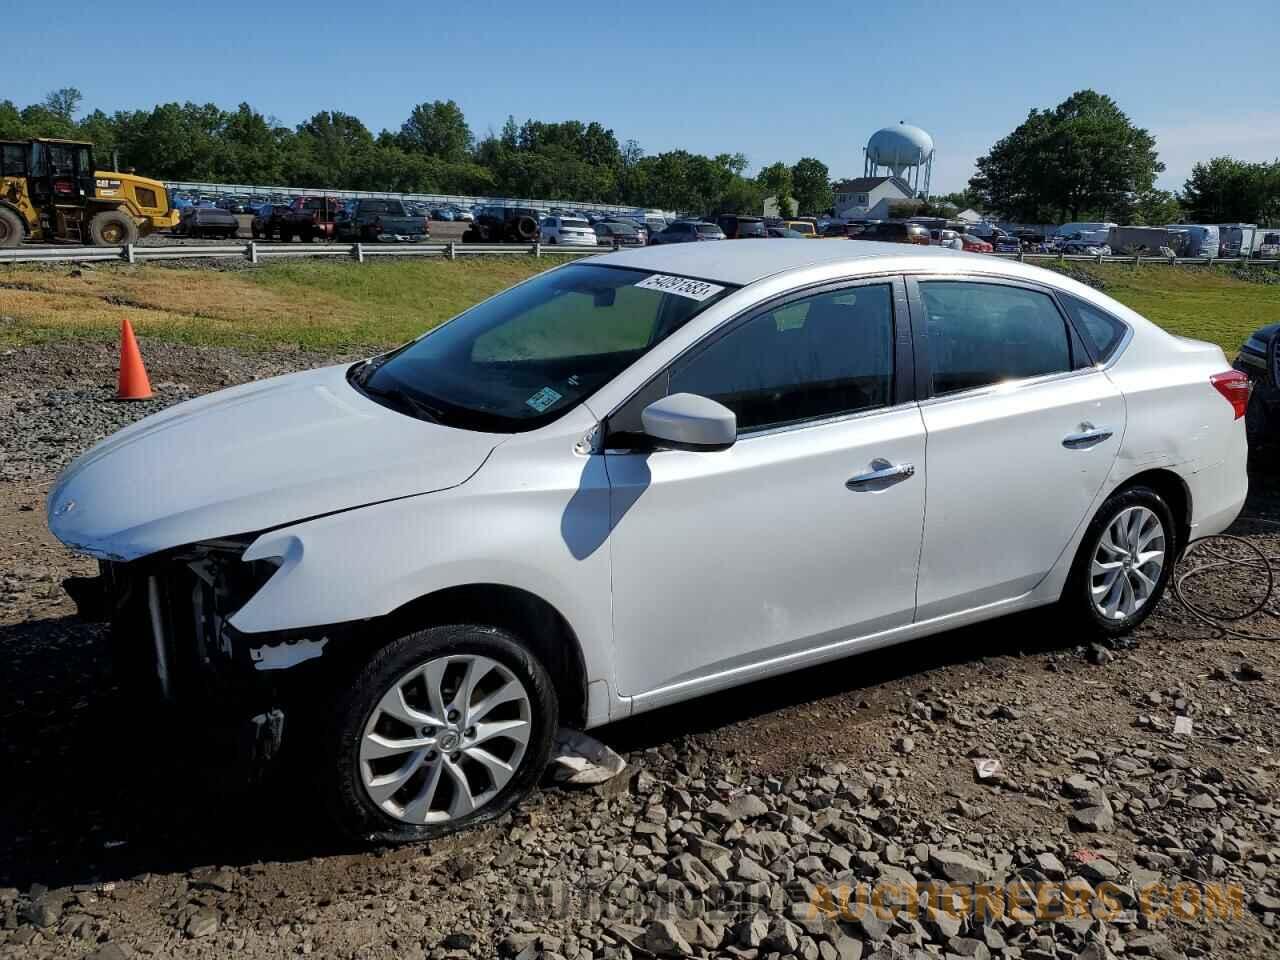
(64, 186)
(1235, 386)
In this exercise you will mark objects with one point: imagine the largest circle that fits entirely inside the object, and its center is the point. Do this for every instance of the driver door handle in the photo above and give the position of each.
(883, 471)
(1089, 436)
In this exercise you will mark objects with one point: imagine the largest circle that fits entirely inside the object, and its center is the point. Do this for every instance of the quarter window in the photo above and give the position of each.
(1103, 331)
(819, 357)
(984, 333)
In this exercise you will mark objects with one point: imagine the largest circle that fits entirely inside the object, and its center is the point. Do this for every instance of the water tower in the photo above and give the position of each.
(905, 152)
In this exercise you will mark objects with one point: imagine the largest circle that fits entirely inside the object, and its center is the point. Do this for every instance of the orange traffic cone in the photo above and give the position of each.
(133, 383)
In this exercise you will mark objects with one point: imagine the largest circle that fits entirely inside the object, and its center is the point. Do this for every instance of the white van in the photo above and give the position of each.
(1202, 241)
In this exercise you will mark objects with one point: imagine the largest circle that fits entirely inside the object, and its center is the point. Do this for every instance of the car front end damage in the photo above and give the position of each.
(173, 646)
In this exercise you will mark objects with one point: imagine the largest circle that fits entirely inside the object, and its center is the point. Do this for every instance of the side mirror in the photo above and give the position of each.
(686, 421)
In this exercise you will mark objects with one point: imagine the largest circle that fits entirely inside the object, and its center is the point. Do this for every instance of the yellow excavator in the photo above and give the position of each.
(51, 190)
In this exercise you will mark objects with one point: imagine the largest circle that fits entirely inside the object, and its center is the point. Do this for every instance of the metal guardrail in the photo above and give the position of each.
(258, 252)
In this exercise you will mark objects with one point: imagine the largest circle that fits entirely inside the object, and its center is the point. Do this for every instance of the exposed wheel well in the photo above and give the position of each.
(537, 623)
(1174, 490)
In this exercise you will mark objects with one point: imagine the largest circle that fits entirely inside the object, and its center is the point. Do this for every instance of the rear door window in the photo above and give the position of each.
(984, 333)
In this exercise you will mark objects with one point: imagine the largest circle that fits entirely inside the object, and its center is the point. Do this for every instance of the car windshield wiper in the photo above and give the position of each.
(410, 403)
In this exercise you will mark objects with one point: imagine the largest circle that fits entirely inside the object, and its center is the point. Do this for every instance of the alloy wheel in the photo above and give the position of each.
(445, 739)
(1127, 563)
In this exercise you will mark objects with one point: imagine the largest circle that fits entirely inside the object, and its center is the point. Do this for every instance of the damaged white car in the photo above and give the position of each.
(635, 479)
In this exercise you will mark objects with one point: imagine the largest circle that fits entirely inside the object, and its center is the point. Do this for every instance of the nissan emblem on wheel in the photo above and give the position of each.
(637, 479)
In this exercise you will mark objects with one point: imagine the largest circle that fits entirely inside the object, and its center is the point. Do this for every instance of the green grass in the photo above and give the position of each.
(337, 306)
(310, 304)
(1191, 301)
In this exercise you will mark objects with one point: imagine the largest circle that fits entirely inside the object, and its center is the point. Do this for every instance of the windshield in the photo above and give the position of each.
(750, 228)
(574, 225)
(528, 355)
(709, 229)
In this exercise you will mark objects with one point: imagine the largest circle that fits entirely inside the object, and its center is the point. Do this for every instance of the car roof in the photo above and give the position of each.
(741, 262)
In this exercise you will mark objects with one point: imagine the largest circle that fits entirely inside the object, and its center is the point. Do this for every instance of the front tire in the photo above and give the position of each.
(442, 729)
(1123, 564)
(111, 228)
(11, 228)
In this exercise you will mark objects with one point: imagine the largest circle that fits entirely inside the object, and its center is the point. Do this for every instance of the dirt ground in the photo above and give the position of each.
(117, 839)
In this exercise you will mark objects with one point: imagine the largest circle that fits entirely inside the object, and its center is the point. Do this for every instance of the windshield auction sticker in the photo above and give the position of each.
(680, 286)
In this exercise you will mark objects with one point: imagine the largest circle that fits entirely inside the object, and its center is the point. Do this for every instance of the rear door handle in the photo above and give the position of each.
(882, 470)
(1089, 436)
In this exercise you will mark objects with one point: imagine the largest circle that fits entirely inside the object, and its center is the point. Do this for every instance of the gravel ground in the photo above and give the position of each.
(120, 839)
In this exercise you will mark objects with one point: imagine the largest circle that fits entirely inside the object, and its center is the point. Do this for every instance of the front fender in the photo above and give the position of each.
(538, 523)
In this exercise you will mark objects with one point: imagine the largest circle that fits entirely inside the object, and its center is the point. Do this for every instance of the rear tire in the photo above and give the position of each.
(377, 791)
(111, 228)
(11, 228)
(1123, 564)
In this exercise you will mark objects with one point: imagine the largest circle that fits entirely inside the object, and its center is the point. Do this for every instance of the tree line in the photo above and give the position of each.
(1081, 160)
(1084, 160)
(433, 151)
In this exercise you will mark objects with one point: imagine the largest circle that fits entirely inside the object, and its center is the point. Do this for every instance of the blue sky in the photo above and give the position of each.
(775, 81)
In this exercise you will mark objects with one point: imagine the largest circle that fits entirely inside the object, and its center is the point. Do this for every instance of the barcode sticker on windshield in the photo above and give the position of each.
(543, 399)
(680, 286)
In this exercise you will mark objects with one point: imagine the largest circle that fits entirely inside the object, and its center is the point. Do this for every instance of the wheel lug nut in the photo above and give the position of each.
(431, 754)
(453, 716)
(471, 732)
(428, 731)
(455, 756)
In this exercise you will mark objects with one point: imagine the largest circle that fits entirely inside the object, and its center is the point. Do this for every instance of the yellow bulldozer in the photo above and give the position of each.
(51, 190)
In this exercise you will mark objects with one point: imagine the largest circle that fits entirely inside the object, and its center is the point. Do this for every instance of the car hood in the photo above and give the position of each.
(256, 456)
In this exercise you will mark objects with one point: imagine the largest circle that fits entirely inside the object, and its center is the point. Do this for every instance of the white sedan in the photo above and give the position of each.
(570, 230)
(640, 478)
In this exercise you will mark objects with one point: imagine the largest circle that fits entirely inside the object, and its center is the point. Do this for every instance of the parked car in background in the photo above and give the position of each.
(642, 228)
(655, 225)
(266, 222)
(610, 232)
(834, 229)
(688, 231)
(1006, 244)
(786, 233)
(945, 238)
(206, 222)
(374, 220)
(1268, 246)
(1259, 360)
(497, 224)
(741, 228)
(635, 480)
(895, 231)
(1081, 244)
(805, 228)
(975, 244)
(309, 218)
(464, 215)
(562, 229)
(441, 213)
